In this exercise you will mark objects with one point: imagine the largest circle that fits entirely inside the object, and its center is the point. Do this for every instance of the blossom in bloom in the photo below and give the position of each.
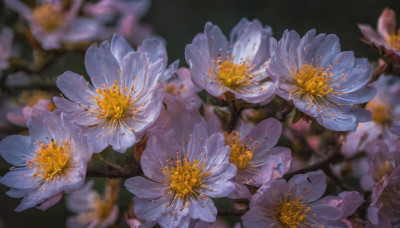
(385, 109)
(386, 37)
(384, 180)
(348, 202)
(53, 22)
(254, 154)
(293, 204)
(322, 81)
(185, 167)
(93, 210)
(123, 100)
(238, 66)
(124, 17)
(6, 39)
(48, 162)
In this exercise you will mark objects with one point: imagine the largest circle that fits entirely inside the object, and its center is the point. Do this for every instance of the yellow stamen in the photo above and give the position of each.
(293, 213)
(185, 177)
(52, 160)
(381, 112)
(394, 40)
(311, 82)
(232, 75)
(240, 155)
(48, 16)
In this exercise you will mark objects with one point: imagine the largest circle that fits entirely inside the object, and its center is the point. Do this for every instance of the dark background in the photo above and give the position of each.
(178, 21)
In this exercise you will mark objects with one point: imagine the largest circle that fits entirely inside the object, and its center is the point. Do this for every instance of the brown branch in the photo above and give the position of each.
(231, 212)
(233, 117)
(328, 172)
(133, 171)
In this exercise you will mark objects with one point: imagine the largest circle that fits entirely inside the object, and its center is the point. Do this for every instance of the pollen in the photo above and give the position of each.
(312, 82)
(240, 155)
(113, 104)
(185, 178)
(293, 213)
(52, 160)
(394, 40)
(48, 16)
(232, 75)
(381, 112)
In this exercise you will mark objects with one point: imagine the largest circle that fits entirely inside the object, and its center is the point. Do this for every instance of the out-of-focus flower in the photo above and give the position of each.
(387, 37)
(93, 210)
(6, 39)
(293, 204)
(384, 178)
(238, 66)
(125, 98)
(186, 167)
(385, 109)
(34, 99)
(254, 154)
(322, 81)
(348, 202)
(121, 16)
(54, 22)
(49, 162)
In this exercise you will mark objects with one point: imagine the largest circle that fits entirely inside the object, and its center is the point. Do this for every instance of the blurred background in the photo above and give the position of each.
(177, 22)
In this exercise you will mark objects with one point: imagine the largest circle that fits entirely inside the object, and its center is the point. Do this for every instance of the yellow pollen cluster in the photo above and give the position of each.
(381, 112)
(112, 103)
(48, 16)
(185, 177)
(394, 40)
(52, 160)
(312, 82)
(240, 154)
(231, 75)
(293, 213)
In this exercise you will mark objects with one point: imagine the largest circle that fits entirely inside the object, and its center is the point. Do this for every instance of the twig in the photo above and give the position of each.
(112, 165)
(233, 117)
(338, 182)
(231, 212)
(134, 170)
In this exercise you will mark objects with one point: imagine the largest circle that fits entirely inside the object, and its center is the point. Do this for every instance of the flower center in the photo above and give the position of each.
(52, 160)
(312, 82)
(230, 74)
(293, 213)
(48, 16)
(394, 40)
(240, 155)
(112, 103)
(381, 112)
(185, 177)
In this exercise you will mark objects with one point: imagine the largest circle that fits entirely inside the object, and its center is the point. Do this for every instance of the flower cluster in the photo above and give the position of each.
(191, 144)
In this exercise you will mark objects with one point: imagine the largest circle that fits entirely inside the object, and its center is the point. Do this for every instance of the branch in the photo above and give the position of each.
(133, 171)
(328, 172)
(233, 117)
(231, 212)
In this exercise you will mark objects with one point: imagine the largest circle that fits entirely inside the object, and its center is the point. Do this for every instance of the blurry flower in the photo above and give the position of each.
(348, 202)
(385, 109)
(93, 210)
(186, 167)
(121, 16)
(254, 154)
(6, 39)
(53, 22)
(49, 162)
(30, 100)
(387, 37)
(322, 81)
(293, 204)
(384, 178)
(238, 67)
(124, 99)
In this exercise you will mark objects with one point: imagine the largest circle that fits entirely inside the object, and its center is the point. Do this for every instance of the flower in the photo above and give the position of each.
(185, 167)
(124, 99)
(384, 180)
(6, 39)
(322, 81)
(238, 67)
(124, 15)
(254, 154)
(386, 37)
(293, 204)
(92, 209)
(385, 109)
(48, 162)
(54, 22)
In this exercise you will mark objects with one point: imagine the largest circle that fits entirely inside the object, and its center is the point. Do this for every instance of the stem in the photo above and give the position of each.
(328, 172)
(133, 171)
(233, 117)
(110, 164)
(231, 212)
